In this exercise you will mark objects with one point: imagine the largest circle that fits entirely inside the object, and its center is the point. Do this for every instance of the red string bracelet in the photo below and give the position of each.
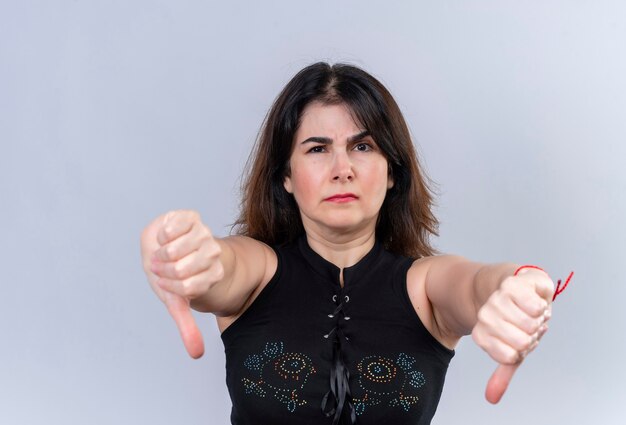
(558, 289)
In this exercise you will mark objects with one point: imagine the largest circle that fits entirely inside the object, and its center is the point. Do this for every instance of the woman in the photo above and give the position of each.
(332, 306)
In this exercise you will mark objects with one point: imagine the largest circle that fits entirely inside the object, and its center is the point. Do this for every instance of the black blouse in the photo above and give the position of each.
(308, 351)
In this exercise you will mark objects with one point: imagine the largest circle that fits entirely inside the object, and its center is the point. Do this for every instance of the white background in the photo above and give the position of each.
(112, 112)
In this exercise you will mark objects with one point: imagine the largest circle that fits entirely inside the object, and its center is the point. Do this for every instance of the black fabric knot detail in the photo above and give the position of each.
(337, 402)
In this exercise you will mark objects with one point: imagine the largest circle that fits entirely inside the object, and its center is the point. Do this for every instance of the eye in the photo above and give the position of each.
(363, 147)
(317, 149)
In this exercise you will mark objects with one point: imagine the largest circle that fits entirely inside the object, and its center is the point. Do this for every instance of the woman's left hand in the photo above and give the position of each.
(511, 323)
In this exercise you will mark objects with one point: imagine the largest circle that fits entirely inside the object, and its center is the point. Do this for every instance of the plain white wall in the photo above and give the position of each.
(113, 112)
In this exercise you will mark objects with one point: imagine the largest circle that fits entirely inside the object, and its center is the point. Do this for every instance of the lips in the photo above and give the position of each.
(342, 197)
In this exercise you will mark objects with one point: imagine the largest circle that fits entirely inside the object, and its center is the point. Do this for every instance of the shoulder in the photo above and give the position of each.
(416, 279)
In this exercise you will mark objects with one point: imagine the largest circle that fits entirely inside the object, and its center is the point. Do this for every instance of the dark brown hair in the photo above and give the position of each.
(270, 214)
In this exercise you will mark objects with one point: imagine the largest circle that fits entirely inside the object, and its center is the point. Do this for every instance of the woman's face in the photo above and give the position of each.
(338, 175)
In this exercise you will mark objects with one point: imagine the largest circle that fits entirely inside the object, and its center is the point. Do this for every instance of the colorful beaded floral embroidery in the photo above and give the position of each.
(387, 381)
(278, 374)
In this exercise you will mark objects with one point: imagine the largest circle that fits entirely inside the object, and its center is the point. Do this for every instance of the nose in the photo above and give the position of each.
(342, 167)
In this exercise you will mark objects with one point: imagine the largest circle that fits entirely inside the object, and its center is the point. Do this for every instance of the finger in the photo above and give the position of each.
(191, 265)
(499, 382)
(180, 311)
(503, 319)
(498, 350)
(545, 289)
(547, 314)
(197, 237)
(194, 286)
(512, 336)
(500, 379)
(535, 341)
(508, 310)
(530, 303)
(178, 248)
(543, 284)
(176, 224)
(521, 291)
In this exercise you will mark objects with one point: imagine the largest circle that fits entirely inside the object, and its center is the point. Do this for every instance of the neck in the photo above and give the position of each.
(342, 251)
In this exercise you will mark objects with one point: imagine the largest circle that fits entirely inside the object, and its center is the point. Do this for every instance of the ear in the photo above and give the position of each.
(287, 184)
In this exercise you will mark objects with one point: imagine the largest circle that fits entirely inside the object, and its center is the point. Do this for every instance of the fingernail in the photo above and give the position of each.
(547, 314)
(542, 330)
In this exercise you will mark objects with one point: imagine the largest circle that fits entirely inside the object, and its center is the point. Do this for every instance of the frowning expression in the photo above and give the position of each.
(338, 175)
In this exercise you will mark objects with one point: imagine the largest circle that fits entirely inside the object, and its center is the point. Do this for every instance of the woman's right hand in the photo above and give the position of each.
(181, 259)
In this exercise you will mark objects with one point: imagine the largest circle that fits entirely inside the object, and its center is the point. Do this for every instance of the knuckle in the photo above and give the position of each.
(205, 237)
(169, 253)
(214, 250)
(166, 284)
(205, 263)
(168, 231)
(188, 288)
(156, 255)
(531, 325)
(168, 216)
(179, 270)
(480, 317)
(528, 324)
(546, 283)
(547, 315)
(193, 220)
(159, 282)
(518, 343)
(528, 341)
(483, 315)
(509, 282)
(540, 307)
(504, 294)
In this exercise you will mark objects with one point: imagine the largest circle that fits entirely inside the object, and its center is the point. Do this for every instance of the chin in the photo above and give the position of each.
(340, 222)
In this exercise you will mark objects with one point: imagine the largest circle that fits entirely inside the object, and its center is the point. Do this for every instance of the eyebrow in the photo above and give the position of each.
(328, 140)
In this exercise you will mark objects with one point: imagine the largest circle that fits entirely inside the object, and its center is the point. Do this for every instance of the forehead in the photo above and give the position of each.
(319, 119)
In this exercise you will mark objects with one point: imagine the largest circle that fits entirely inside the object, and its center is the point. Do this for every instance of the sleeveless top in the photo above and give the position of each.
(309, 352)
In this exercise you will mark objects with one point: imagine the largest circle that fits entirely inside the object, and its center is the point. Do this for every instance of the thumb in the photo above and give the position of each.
(499, 382)
(180, 311)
